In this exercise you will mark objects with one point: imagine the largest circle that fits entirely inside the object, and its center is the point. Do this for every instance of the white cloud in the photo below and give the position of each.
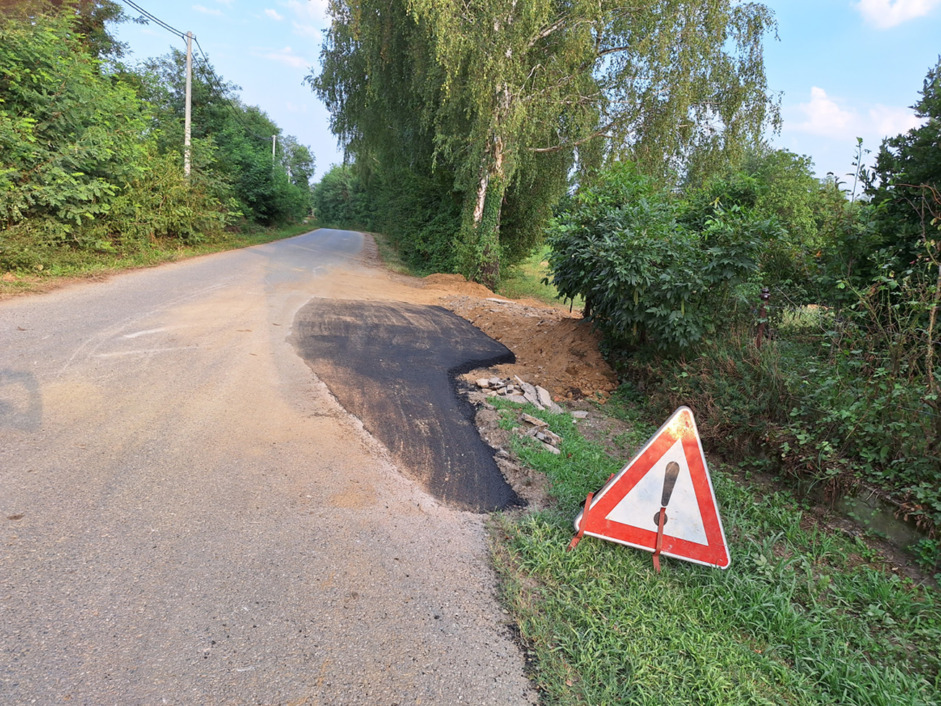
(823, 116)
(889, 121)
(312, 10)
(884, 14)
(307, 30)
(828, 127)
(207, 10)
(287, 56)
(273, 14)
(310, 15)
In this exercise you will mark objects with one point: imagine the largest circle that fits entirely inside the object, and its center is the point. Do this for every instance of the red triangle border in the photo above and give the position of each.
(680, 426)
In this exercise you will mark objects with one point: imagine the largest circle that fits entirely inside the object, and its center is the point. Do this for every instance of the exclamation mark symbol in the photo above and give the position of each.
(660, 519)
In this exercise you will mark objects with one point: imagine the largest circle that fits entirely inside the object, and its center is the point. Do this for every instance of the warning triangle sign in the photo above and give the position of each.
(662, 500)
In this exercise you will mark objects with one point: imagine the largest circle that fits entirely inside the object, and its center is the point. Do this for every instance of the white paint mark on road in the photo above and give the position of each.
(145, 351)
(146, 333)
(99, 339)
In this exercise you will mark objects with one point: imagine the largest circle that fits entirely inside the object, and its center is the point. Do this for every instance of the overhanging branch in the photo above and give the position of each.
(603, 132)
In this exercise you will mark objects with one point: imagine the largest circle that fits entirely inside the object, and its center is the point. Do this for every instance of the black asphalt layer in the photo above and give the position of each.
(394, 365)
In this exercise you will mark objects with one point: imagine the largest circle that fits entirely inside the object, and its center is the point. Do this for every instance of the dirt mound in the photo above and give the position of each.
(553, 348)
(456, 284)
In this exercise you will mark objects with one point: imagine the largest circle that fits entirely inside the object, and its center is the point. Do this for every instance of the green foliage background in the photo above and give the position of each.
(489, 106)
(835, 382)
(90, 150)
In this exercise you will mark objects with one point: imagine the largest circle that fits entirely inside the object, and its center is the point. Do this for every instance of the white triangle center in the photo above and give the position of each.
(639, 507)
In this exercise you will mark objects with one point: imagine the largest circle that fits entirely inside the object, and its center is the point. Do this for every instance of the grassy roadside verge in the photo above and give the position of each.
(524, 281)
(802, 616)
(67, 264)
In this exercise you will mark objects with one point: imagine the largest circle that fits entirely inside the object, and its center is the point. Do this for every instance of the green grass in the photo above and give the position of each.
(802, 616)
(86, 264)
(390, 255)
(524, 281)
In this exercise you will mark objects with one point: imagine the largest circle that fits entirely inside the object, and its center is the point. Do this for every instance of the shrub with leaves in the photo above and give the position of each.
(645, 278)
(161, 203)
(70, 138)
(339, 198)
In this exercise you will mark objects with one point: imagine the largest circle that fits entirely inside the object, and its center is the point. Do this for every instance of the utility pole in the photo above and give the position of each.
(188, 109)
(274, 141)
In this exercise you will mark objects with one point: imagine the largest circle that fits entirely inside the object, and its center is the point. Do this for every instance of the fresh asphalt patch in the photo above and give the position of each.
(394, 366)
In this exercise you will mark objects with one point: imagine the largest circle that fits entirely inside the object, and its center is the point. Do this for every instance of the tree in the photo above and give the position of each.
(163, 87)
(338, 198)
(777, 186)
(79, 166)
(382, 84)
(89, 18)
(495, 89)
(268, 192)
(70, 138)
(905, 178)
(298, 162)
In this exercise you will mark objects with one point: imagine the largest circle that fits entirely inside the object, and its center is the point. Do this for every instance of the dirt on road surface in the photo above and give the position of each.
(187, 515)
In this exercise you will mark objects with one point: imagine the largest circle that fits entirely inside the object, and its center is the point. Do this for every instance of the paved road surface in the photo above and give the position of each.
(393, 365)
(187, 515)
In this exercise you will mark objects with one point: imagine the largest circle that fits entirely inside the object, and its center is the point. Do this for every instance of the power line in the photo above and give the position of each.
(208, 66)
(169, 28)
(217, 80)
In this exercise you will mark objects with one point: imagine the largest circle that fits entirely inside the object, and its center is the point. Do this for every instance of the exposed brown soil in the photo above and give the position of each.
(559, 351)
(554, 348)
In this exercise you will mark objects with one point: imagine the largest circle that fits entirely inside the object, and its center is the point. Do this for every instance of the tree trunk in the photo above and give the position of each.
(482, 240)
(482, 236)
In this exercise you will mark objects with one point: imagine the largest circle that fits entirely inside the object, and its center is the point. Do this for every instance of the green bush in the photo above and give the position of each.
(645, 279)
(810, 406)
(843, 391)
(80, 166)
(421, 216)
(70, 138)
(339, 199)
(161, 203)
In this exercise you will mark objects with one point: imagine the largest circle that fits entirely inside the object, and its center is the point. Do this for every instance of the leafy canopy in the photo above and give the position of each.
(70, 139)
(645, 278)
(504, 97)
(267, 192)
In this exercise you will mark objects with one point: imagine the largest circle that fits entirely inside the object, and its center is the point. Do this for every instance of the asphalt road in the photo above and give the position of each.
(189, 515)
(393, 365)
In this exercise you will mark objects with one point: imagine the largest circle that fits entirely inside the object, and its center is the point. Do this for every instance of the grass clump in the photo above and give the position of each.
(529, 280)
(802, 616)
(526, 280)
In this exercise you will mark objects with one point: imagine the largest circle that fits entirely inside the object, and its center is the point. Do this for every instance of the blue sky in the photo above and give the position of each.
(843, 68)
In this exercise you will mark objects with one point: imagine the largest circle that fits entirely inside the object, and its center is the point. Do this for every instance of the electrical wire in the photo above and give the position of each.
(208, 67)
(220, 91)
(161, 23)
